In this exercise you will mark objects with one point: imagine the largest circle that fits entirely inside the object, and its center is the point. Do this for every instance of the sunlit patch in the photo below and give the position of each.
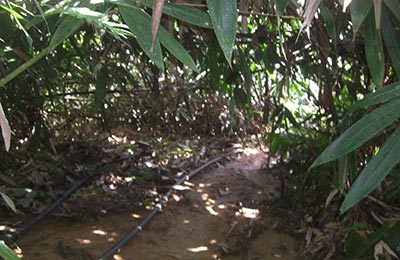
(201, 185)
(190, 184)
(247, 212)
(176, 197)
(18, 252)
(84, 241)
(118, 257)
(210, 202)
(211, 210)
(181, 187)
(221, 206)
(213, 242)
(99, 232)
(198, 249)
(204, 196)
(2, 227)
(134, 215)
(186, 221)
(199, 190)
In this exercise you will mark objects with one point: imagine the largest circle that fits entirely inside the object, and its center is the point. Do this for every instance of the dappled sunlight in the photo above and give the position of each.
(198, 249)
(247, 213)
(84, 241)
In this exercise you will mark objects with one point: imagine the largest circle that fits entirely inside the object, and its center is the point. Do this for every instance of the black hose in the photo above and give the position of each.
(13, 236)
(154, 211)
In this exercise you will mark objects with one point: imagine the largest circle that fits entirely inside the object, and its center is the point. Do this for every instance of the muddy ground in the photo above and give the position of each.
(224, 212)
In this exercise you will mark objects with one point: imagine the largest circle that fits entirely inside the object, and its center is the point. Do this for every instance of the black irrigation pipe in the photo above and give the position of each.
(13, 236)
(155, 210)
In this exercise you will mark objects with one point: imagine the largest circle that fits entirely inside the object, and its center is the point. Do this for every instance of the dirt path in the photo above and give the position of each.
(220, 214)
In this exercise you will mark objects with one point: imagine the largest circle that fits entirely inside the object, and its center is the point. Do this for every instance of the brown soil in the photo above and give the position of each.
(222, 213)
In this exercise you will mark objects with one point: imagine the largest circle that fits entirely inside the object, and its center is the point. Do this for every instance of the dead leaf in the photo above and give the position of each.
(309, 12)
(378, 13)
(156, 18)
(382, 249)
(5, 129)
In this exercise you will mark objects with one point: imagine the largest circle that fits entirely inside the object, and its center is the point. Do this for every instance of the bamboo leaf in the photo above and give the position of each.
(391, 38)
(359, 10)
(378, 13)
(310, 9)
(375, 171)
(175, 48)
(329, 22)
(394, 7)
(8, 201)
(223, 15)
(66, 28)
(139, 24)
(374, 50)
(6, 252)
(380, 96)
(156, 18)
(183, 13)
(360, 132)
(280, 6)
(5, 129)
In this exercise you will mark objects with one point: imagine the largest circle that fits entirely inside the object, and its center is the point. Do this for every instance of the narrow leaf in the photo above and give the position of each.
(224, 19)
(8, 201)
(394, 7)
(378, 13)
(380, 96)
(6, 252)
(374, 50)
(392, 40)
(280, 6)
(156, 18)
(359, 10)
(375, 171)
(139, 23)
(360, 132)
(175, 48)
(183, 13)
(66, 28)
(309, 12)
(5, 129)
(329, 22)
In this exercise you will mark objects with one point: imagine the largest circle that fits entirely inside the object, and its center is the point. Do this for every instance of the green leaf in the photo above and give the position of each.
(224, 19)
(183, 13)
(362, 245)
(280, 6)
(329, 22)
(139, 23)
(381, 96)
(374, 50)
(101, 87)
(8, 201)
(66, 28)
(359, 10)
(360, 132)
(375, 171)
(5, 129)
(6, 252)
(175, 48)
(394, 7)
(392, 40)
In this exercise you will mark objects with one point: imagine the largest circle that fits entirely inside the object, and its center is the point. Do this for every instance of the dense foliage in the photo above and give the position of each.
(75, 69)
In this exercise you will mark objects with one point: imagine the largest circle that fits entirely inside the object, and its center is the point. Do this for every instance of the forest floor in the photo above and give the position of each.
(227, 211)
